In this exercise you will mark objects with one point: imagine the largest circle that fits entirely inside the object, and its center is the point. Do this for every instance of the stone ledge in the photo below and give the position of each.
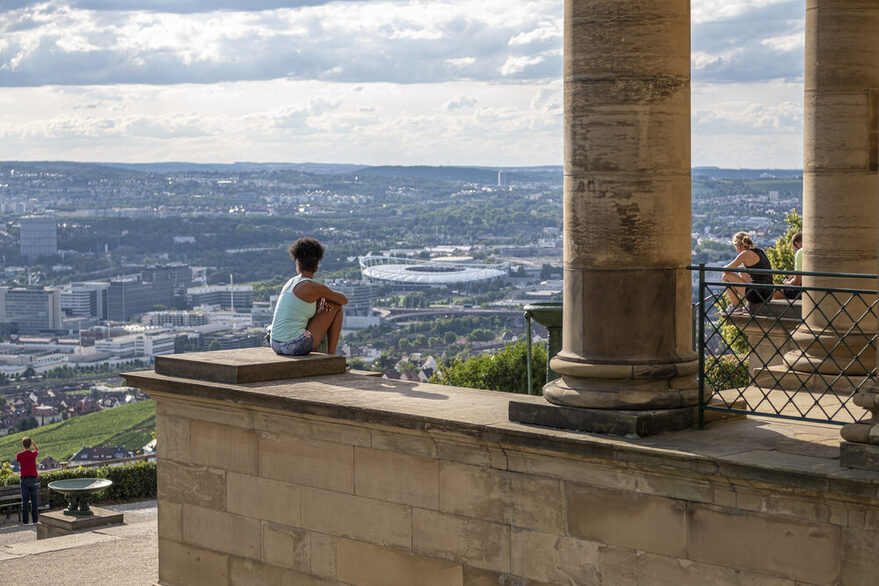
(248, 365)
(750, 450)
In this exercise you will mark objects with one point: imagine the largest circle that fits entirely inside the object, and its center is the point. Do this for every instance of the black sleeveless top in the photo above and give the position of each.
(759, 294)
(762, 263)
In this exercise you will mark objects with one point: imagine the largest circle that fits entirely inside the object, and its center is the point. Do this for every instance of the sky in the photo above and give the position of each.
(409, 82)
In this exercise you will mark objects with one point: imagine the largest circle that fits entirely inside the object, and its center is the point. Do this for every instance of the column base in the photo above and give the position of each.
(826, 353)
(862, 456)
(627, 422)
(622, 386)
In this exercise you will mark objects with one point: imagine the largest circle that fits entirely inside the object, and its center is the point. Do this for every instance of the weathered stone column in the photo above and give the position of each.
(840, 183)
(626, 340)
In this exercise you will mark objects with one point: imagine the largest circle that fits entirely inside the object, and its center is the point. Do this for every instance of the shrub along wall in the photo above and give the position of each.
(132, 481)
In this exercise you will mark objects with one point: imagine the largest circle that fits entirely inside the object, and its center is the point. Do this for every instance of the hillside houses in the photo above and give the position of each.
(42, 407)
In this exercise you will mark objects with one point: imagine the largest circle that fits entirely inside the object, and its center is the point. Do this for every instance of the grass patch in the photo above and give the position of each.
(130, 426)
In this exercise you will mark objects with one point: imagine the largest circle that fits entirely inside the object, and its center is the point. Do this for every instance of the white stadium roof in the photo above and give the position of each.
(411, 271)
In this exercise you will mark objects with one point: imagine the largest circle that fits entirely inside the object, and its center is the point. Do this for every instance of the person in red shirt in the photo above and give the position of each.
(30, 486)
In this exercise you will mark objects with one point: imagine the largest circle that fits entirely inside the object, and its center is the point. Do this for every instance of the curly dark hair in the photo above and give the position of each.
(307, 252)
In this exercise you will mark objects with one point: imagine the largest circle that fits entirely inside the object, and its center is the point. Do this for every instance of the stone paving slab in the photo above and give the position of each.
(130, 550)
(56, 543)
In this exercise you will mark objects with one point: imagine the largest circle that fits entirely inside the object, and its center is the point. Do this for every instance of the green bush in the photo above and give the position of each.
(503, 371)
(131, 481)
(729, 371)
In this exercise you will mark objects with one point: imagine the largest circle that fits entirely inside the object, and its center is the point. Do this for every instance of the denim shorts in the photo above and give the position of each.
(296, 347)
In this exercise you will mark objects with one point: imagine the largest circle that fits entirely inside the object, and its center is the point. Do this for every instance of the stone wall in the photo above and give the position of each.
(251, 495)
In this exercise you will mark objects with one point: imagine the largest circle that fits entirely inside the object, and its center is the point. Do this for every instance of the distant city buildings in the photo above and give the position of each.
(175, 318)
(235, 297)
(145, 344)
(85, 299)
(130, 296)
(136, 294)
(38, 236)
(32, 309)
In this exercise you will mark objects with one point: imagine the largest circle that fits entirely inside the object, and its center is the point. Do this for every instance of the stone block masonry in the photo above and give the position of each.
(352, 480)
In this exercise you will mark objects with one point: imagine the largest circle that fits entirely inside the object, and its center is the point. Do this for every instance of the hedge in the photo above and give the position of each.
(728, 371)
(132, 481)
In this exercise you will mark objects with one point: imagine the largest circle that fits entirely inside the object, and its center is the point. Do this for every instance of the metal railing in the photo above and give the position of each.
(800, 358)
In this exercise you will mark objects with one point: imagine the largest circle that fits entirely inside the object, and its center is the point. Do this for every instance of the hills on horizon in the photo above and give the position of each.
(471, 174)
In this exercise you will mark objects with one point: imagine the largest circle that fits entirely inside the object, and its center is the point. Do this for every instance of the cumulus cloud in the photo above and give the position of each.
(749, 118)
(177, 6)
(459, 102)
(751, 40)
(55, 43)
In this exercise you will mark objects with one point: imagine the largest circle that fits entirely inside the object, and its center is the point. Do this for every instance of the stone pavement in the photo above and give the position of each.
(118, 555)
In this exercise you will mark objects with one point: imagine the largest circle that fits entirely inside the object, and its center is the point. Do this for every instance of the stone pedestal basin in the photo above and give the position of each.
(78, 491)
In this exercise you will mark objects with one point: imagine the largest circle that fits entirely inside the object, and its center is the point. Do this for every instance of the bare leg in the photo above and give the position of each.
(327, 321)
(736, 294)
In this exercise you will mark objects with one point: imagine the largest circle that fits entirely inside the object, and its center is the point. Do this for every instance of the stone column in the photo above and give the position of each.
(840, 183)
(626, 334)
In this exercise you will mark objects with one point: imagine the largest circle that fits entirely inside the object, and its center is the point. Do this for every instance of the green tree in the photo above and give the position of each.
(215, 345)
(450, 337)
(782, 254)
(357, 364)
(27, 423)
(503, 371)
(481, 335)
(384, 363)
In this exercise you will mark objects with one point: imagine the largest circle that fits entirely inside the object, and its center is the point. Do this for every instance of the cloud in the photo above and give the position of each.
(358, 42)
(458, 103)
(176, 6)
(749, 118)
(751, 40)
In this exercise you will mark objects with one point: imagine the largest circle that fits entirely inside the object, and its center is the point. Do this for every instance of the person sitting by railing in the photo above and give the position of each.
(796, 242)
(749, 257)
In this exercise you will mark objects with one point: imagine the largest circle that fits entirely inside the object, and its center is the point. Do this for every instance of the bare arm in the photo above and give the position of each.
(310, 291)
(738, 260)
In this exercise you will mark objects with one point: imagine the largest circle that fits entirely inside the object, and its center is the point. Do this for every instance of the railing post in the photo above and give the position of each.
(700, 344)
(528, 352)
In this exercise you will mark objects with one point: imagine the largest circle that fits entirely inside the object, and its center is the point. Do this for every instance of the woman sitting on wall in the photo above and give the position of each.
(306, 310)
(751, 257)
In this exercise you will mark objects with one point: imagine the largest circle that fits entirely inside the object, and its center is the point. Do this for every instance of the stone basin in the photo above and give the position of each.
(547, 314)
(78, 491)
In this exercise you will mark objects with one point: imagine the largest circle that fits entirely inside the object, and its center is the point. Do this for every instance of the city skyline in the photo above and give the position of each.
(404, 82)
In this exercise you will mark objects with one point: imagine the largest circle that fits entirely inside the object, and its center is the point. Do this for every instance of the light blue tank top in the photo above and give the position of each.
(291, 313)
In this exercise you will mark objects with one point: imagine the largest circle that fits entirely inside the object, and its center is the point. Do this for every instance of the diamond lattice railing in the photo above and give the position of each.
(798, 359)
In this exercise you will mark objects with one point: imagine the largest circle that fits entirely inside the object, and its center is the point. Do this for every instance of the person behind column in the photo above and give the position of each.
(30, 485)
(742, 288)
(306, 310)
(796, 243)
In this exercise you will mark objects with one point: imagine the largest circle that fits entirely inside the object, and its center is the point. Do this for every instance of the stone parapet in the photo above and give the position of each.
(346, 479)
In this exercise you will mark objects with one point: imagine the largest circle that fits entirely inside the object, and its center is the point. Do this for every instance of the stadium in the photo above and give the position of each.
(417, 273)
